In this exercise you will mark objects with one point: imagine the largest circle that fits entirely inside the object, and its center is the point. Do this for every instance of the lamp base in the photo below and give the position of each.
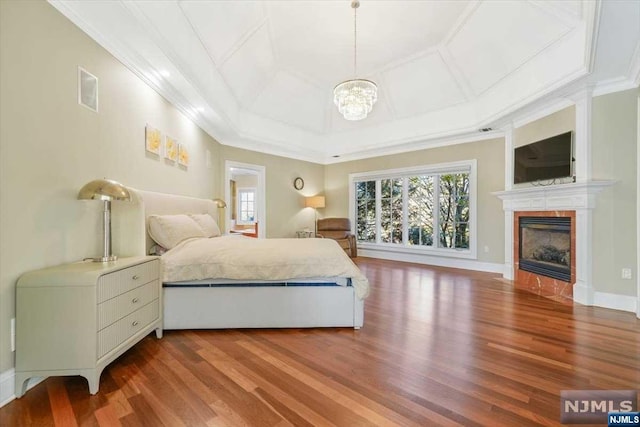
(109, 258)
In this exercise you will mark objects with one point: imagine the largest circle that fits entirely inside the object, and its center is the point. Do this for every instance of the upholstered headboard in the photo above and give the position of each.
(132, 227)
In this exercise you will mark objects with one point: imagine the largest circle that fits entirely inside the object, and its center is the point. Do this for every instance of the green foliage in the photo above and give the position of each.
(453, 210)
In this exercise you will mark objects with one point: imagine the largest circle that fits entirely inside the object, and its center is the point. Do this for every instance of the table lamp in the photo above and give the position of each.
(105, 190)
(220, 204)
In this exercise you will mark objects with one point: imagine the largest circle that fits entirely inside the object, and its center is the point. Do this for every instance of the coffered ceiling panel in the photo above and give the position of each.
(250, 67)
(572, 7)
(260, 74)
(309, 35)
(292, 100)
(498, 37)
(411, 93)
(222, 25)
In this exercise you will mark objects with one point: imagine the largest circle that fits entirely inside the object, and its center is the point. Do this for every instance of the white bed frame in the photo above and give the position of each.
(244, 306)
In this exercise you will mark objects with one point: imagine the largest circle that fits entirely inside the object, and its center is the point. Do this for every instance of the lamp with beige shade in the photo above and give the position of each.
(315, 202)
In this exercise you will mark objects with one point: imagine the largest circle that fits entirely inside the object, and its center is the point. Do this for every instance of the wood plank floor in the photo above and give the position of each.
(439, 347)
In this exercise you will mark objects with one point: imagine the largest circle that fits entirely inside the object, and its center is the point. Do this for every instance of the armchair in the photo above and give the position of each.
(339, 229)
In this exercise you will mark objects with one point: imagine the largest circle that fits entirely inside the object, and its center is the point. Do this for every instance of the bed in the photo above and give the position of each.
(240, 282)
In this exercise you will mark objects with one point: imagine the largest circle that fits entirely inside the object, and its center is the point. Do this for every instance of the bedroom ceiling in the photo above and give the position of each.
(260, 74)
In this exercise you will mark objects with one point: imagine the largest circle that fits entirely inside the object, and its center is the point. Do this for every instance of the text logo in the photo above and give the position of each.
(593, 406)
(623, 419)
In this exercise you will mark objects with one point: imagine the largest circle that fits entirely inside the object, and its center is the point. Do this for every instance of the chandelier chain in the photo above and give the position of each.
(355, 42)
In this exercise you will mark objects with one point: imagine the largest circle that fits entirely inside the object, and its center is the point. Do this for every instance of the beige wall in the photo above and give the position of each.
(490, 157)
(614, 152)
(246, 181)
(554, 124)
(50, 146)
(285, 205)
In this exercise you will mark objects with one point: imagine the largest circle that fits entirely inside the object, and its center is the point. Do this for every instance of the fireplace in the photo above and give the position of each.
(544, 252)
(576, 201)
(545, 246)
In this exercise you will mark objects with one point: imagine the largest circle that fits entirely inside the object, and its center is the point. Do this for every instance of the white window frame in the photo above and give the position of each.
(465, 166)
(239, 205)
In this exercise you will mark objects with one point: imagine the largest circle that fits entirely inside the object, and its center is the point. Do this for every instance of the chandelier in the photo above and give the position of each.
(355, 98)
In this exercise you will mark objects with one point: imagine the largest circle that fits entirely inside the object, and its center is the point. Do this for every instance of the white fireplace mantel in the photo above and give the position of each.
(578, 197)
(573, 196)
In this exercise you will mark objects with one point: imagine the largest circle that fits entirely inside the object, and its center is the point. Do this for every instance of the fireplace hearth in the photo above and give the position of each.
(545, 246)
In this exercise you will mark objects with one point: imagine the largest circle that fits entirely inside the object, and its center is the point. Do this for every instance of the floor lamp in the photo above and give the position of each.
(105, 190)
(315, 202)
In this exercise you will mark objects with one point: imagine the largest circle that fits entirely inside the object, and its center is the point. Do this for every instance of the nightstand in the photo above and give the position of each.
(75, 319)
(303, 234)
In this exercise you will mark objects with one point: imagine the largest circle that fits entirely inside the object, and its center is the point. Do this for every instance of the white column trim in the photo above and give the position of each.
(583, 288)
(508, 215)
(508, 245)
(508, 157)
(582, 141)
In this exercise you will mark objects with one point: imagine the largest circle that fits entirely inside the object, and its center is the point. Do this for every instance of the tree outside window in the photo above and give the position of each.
(437, 209)
(366, 211)
(454, 211)
(420, 210)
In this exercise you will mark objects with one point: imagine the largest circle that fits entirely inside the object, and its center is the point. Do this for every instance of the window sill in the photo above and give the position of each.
(448, 253)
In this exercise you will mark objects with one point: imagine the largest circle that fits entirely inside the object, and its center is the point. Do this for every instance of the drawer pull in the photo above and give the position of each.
(135, 300)
(135, 323)
(135, 277)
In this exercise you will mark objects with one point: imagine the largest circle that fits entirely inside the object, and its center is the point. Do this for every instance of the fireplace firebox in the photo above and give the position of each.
(545, 246)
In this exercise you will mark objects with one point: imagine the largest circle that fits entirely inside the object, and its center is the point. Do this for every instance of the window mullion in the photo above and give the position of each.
(436, 210)
(405, 211)
(378, 210)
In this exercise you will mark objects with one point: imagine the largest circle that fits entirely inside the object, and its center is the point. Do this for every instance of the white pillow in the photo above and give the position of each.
(169, 230)
(207, 223)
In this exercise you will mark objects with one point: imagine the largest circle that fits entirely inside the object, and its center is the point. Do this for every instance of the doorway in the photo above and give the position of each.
(245, 195)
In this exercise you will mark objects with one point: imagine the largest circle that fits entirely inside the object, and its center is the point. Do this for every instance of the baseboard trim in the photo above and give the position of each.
(8, 385)
(615, 301)
(461, 263)
(582, 294)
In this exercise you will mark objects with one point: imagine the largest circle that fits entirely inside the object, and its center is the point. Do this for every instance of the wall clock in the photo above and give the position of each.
(298, 183)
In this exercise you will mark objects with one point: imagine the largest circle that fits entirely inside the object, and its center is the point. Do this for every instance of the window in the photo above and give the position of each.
(420, 210)
(246, 205)
(366, 213)
(428, 208)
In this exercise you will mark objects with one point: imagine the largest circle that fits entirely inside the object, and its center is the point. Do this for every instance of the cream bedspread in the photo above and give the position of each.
(245, 258)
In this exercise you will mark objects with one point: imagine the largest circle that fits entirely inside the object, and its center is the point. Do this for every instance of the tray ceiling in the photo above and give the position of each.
(260, 74)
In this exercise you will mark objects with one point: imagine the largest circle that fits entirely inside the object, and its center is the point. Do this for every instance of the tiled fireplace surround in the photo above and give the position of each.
(576, 200)
(536, 283)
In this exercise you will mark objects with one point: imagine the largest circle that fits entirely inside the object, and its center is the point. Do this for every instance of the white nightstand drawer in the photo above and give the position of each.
(114, 335)
(121, 281)
(122, 305)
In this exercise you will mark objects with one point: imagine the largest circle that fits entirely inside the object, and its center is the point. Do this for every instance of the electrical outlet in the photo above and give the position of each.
(486, 249)
(626, 273)
(13, 334)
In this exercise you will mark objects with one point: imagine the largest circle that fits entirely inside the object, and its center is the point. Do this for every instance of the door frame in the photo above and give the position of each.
(261, 193)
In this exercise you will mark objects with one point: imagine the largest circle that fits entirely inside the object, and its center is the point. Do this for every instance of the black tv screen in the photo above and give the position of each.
(543, 160)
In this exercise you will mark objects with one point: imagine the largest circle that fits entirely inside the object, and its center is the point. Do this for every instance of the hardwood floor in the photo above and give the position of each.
(439, 347)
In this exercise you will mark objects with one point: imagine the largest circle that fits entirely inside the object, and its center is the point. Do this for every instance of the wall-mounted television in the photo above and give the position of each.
(549, 158)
